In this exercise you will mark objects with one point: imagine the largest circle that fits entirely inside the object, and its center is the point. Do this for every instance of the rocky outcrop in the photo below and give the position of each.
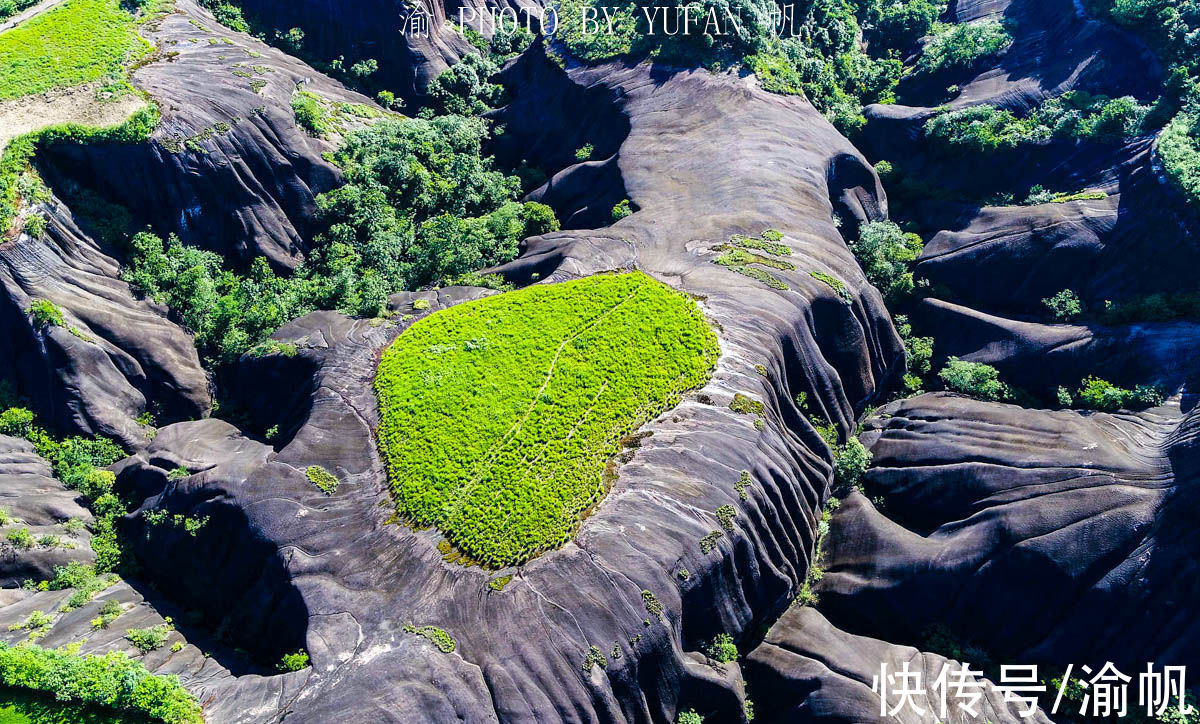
(338, 575)
(1039, 357)
(32, 500)
(228, 168)
(808, 670)
(987, 502)
(1137, 241)
(114, 357)
(1056, 48)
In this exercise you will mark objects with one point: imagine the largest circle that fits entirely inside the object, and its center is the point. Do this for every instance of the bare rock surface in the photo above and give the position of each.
(987, 502)
(115, 355)
(808, 670)
(1039, 357)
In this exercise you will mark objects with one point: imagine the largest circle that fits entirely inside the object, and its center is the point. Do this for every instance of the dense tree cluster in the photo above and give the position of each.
(1073, 115)
(963, 45)
(1172, 27)
(421, 205)
(839, 53)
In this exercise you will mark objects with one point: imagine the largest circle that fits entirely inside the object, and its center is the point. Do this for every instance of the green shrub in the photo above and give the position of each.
(364, 68)
(621, 210)
(112, 680)
(387, 99)
(20, 538)
(722, 649)
(293, 662)
(310, 113)
(963, 46)
(109, 612)
(293, 39)
(227, 14)
(149, 639)
(1064, 305)
(16, 421)
(708, 543)
(442, 640)
(689, 717)
(81, 577)
(584, 153)
(322, 478)
(453, 386)
(37, 624)
(725, 516)
(743, 405)
(35, 225)
(742, 484)
(539, 219)
(975, 379)
(886, 254)
(1074, 115)
(1064, 396)
(46, 313)
(464, 89)
(850, 461)
(918, 353)
(1097, 394)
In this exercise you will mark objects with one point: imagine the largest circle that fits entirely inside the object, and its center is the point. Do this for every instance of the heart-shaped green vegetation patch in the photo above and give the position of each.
(500, 415)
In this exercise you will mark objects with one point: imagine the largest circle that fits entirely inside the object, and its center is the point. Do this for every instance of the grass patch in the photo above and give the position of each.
(838, 285)
(77, 42)
(500, 415)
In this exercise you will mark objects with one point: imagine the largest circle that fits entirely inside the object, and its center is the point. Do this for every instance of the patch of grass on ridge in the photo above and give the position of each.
(499, 416)
(77, 42)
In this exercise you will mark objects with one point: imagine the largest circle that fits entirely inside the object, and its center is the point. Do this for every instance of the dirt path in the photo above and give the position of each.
(68, 105)
(27, 13)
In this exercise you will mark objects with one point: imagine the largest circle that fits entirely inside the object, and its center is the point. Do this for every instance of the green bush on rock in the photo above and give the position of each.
(1179, 150)
(1073, 115)
(886, 253)
(722, 649)
(1064, 305)
(975, 379)
(1098, 394)
(112, 680)
(962, 46)
(498, 416)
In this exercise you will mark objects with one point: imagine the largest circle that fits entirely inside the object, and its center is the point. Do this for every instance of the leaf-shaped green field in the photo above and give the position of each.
(499, 415)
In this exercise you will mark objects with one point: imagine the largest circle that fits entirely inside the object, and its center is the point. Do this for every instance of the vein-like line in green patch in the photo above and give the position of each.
(499, 416)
